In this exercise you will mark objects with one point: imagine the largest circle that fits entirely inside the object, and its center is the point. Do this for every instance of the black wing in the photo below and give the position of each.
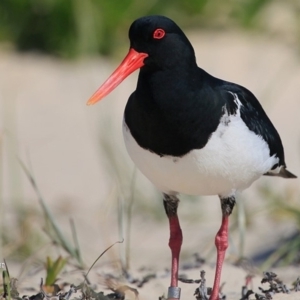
(257, 120)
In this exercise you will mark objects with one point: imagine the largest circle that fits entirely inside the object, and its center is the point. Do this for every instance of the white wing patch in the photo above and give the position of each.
(236, 100)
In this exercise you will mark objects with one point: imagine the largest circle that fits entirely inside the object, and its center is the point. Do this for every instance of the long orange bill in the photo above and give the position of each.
(131, 62)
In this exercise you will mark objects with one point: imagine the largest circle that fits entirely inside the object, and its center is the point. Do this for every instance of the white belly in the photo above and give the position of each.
(232, 159)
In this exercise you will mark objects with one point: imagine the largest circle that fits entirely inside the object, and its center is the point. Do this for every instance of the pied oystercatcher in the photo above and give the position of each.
(190, 132)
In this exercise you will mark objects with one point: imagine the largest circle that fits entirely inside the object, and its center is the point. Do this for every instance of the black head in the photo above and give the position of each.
(164, 42)
(156, 43)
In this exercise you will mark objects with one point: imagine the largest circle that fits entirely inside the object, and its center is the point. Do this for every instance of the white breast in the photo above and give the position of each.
(232, 159)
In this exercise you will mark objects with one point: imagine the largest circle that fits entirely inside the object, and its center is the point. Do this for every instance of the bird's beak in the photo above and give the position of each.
(131, 62)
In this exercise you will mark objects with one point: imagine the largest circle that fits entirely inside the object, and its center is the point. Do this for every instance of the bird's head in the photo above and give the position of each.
(156, 42)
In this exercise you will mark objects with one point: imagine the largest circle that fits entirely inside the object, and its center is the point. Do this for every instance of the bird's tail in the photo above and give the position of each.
(283, 172)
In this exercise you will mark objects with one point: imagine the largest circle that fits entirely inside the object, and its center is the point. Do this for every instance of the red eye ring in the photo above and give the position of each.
(158, 34)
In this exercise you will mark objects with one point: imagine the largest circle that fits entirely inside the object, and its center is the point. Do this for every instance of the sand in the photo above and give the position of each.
(65, 143)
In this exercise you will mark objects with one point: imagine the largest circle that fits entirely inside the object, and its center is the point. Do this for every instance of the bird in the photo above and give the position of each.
(189, 132)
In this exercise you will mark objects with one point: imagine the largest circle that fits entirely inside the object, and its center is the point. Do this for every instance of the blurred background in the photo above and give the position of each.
(68, 186)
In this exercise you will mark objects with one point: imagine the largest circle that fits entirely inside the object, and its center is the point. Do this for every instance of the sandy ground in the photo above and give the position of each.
(65, 143)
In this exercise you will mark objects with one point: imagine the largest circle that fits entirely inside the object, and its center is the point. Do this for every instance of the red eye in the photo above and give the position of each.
(158, 34)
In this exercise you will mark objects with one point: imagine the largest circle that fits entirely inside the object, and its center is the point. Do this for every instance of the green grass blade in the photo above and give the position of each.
(76, 243)
(61, 238)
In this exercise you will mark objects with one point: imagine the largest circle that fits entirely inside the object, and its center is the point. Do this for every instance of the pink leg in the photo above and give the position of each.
(221, 242)
(175, 246)
(171, 204)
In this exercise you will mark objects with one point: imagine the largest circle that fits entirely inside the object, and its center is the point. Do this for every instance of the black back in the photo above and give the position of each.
(177, 106)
